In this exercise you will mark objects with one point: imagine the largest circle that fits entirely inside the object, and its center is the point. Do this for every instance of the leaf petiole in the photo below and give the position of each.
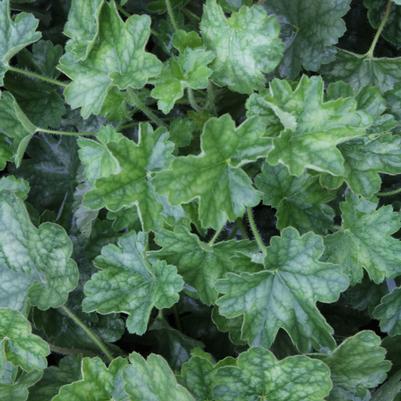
(255, 231)
(390, 193)
(192, 101)
(64, 133)
(34, 75)
(91, 335)
(379, 31)
(170, 13)
(137, 102)
(215, 236)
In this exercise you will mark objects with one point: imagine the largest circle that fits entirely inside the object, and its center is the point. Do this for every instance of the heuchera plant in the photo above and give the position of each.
(199, 200)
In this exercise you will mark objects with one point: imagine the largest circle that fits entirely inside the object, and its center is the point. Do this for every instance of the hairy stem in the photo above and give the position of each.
(215, 236)
(31, 74)
(390, 193)
(379, 31)
(137, 102)
(91, 335)
(64, 133)
(255, 231)
(192, 101)
(171, 15)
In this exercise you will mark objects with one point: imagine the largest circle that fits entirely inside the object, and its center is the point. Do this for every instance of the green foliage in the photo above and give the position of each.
(188, 176)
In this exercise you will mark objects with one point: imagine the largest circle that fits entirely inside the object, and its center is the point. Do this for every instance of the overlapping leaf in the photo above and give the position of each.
(301, 202)
(314, 28)
(117, 59)
(98, 382)
(152, 379)
(357, 365)
(129, 282)
(283, 295)
(201, 264)
(365, 240)
(132, 164)
(215, 175)
(35, 263)
(16, 33)
(258, 375)
(21, 347)
(311, 127)
(246, 45)
(389, 312)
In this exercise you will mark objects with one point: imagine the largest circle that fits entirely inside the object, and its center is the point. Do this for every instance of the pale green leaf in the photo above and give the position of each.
(82, 26)
(311, 127)
(35, 263)
(258, 375)
(95, 156)
(15, 185)
(98, 383)
(188, 70)
(133, 184)
(284, 294)
(16, 33)
(201, 264)
(128, 282)
(22, 348)
(152, 379)
(300, 201)
(224, 149)
(15, 126)
(315, 27)
(246, 45)
(365, 241)
(389, 312)
(356, 365)
(116, 59)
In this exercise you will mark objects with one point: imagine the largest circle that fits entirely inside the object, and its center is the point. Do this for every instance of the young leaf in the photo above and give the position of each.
(311, 127)
(224, 149)
(97, 159)
(35, 263)
(315, 29)
(133, 184)
(117, 59)
(188, 70)
(129, 282)
(357, 365)
(389, 313)
(300, 201)
(365, 241)
(21, 347)
(246, 45)
(16, 127)
(16, 33)
(258, 375)
(157, 381)
(284, 294)
(82, 27)
(98, 382)
(201, 264)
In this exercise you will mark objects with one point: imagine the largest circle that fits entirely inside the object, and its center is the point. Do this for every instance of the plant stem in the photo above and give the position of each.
(379, 31)
(211, 98)
(64, 133)
(215, 236)
(390, 193)
(255, 231)
(171, 15)
(137, 102)
(192, 15)
(69, 351)
(91, 335)
(123, 12)
(31, 74)
(192, 101)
